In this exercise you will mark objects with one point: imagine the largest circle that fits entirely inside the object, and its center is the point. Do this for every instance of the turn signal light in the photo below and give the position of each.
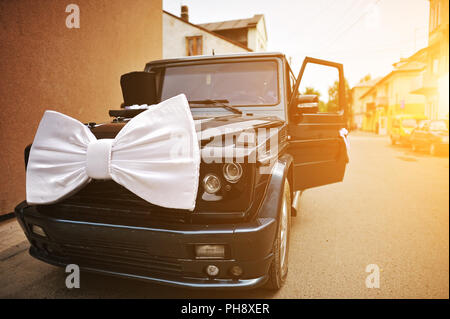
(38, 230)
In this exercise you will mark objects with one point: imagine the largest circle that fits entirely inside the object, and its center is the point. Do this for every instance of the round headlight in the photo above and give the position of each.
(211, 183)
(232, 172)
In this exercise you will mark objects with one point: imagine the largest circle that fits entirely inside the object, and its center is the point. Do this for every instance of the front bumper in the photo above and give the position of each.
(160, 255)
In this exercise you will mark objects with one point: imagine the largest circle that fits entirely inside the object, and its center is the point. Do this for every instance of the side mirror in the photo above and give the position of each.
(308, 103)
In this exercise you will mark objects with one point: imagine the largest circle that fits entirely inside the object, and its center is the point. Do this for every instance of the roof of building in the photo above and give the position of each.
(402, 67)
(210, 32)
(233, 24)
(368, 83)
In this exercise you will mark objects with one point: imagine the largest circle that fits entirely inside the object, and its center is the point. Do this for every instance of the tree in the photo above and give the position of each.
(366, 78)
(311, 91)
(333, 96)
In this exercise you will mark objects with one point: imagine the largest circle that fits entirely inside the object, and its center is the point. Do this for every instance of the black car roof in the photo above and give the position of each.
(215, 57)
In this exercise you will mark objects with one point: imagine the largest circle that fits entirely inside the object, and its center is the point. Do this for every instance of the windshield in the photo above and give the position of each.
(438, 126)
(240, 83)
(409, 123)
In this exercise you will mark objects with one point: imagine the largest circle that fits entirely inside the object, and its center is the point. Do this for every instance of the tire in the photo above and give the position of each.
(433, 150)
(279, 267)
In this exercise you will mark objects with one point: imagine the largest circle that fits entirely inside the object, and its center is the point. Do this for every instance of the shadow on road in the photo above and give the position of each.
(94, 285)
(407, 151)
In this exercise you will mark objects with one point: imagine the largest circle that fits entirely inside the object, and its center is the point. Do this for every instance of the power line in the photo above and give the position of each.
(352, 25)
(372, 49)
(343, 19)
(325, 5)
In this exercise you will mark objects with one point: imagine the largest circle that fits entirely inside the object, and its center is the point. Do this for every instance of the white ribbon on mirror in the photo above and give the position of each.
(155, 155)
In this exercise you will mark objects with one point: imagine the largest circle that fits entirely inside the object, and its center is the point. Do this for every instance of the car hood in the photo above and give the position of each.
(211, 127)
(240, 137)
(234, 135)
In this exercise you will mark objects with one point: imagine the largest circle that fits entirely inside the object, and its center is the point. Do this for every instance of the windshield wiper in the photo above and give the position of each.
(222, 103)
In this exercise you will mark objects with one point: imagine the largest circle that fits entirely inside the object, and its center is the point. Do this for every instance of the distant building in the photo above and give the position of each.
(184, 38)
(390, 96)
(358, 107)
(433, 81)
(250, 32)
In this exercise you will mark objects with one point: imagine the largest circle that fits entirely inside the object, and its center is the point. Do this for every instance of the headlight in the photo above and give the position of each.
(232, 172)
(211, 183)
(444, 139)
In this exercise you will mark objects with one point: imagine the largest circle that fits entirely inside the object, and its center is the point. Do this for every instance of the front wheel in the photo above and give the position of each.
(279, 267)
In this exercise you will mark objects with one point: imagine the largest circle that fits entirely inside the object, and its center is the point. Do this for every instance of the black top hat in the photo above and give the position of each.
(138, 88)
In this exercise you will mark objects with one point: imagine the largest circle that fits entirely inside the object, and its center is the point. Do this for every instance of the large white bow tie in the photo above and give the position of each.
(155, 155)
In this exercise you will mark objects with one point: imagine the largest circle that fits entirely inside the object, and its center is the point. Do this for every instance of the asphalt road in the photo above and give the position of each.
(392, 210)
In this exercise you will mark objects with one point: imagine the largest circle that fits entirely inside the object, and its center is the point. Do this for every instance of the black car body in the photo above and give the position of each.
(431, 136)
(105, 228)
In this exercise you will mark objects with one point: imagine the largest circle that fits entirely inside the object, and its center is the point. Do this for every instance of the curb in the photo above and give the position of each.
(6, 217)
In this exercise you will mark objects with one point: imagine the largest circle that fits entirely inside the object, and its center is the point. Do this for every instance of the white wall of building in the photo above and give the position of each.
(257, 39)
(175, 32)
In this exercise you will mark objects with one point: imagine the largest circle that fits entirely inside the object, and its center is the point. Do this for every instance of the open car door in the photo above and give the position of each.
(317, 139)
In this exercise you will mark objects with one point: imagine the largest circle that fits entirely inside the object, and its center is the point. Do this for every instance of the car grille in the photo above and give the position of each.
(109, 202)
(117, 257)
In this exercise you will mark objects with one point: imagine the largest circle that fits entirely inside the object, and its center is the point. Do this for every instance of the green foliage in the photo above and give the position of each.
(333, 94)
(311, 91)
(366, 78)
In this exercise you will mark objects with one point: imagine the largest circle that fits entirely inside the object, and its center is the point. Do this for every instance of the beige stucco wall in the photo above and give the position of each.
(256, 37)
(358, 105)
(45, 65)
(175, 32)
(399, 89)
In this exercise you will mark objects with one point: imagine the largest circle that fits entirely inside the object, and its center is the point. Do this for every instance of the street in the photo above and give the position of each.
(392, 210)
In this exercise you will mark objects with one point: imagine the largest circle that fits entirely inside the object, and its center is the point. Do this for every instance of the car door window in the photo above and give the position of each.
(318, 111)
(322, 81)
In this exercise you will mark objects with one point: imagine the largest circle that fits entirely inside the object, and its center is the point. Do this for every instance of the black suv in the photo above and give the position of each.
(238, 234)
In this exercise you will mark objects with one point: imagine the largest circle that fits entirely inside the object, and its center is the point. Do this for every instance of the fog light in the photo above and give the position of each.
(236, 271)
(212, 270)
(210, 251)
(232, 172)
(211, 183)
(38, 230)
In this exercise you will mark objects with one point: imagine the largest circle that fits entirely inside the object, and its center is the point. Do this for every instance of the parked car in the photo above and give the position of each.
(238, 234)
(402, 127)
(432, 136)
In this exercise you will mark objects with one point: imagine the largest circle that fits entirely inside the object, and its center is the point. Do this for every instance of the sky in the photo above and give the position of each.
(367, 36)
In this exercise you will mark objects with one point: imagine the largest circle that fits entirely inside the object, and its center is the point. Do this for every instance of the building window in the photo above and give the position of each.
(194, 45)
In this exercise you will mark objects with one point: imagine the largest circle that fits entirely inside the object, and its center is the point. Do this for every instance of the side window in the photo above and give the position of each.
(323, 81)
(194, 45)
